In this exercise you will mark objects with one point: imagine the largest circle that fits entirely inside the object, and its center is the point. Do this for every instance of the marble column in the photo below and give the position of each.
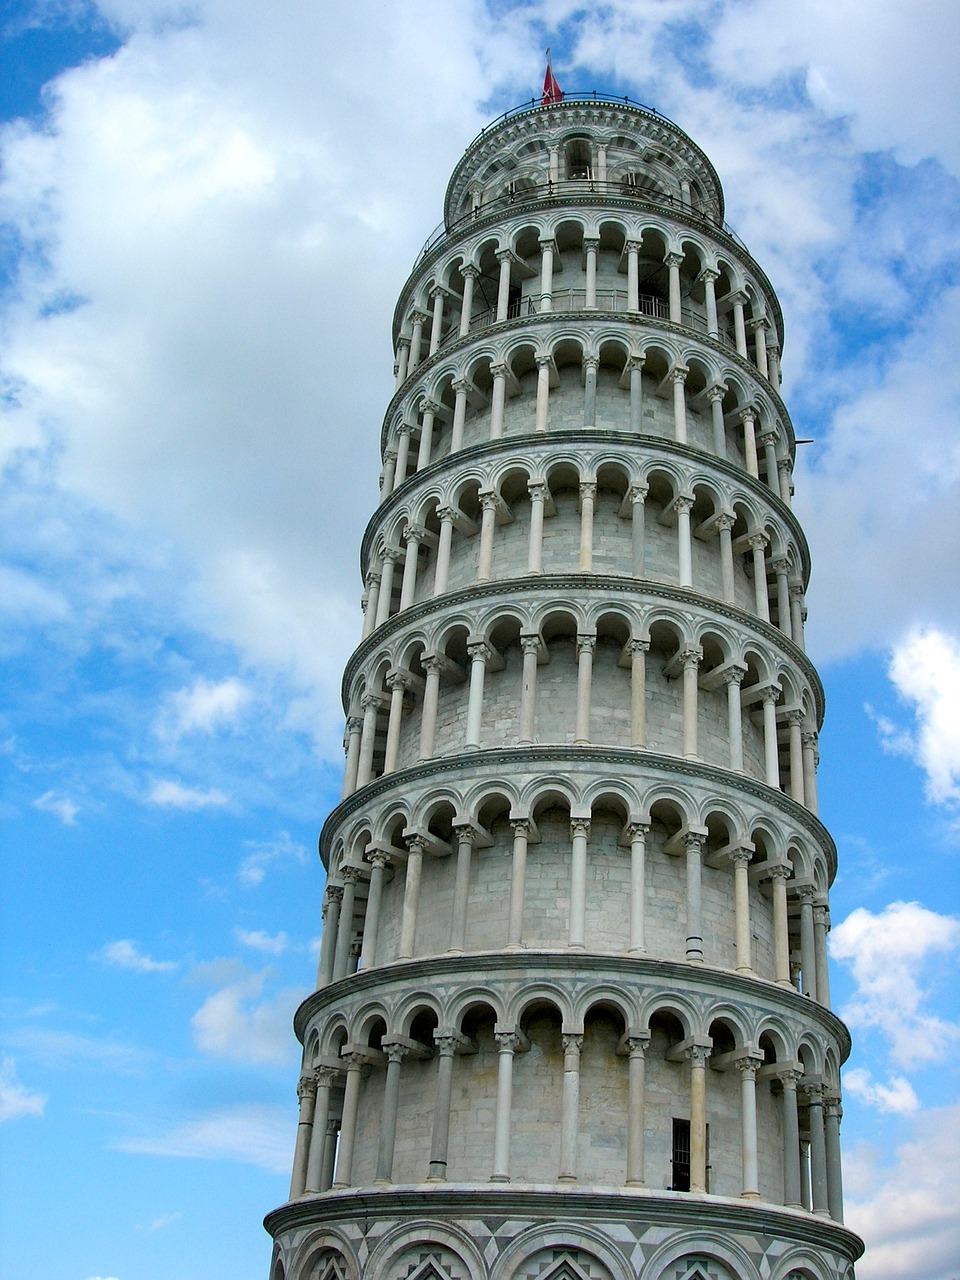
(697, 1056)
(432, 664)
(636, 1085)
(411, 897)
(781, 937)
(341, 962)
(332, 897)
(673, 261)
(537, 490)
(586, 646)
(813, 1094)
(833, 1113)
(638, 692)
(518, 883)
(356, 1065)
(488, 523)
(388, 1117)
(678, 377)
(441, 572)
(461, 888)
(637, 496)
(791, 1139)
(544, 364)
(579, 835)
(637, 833)
(733, 679)
(307, 1097)
(447, 1042)
(588, 494)
(690, 659)
(508, 1042)
(479, 652)
(570, 1108)
(354, 728)
(325, 1078)
(693, 849)
(470, 275)
(530, 644)
(747, 1067)
(741, 898)
(498, 399)
(371, 924)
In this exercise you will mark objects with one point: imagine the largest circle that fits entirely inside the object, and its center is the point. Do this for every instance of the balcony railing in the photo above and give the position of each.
(567, 300)
(575, 188)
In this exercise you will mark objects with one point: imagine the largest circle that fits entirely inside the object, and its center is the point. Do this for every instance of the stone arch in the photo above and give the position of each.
(327, 1255)
(532, 1254)
(431, 1250)
(712, 1257)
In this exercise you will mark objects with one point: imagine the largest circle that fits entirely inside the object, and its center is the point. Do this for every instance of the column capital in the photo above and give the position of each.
(807, 894)
(697, 1054)
(544, 361)
(637, 1044)
(392, 553)
(757, 540)
(521, 826)
(591, 362)
(683, 502)
(332, 893)
(588, 488)
(726, 520)
(461, 385)
(370, 700)
(488, 500)
(530, 644)
(416, 844)
(414, 533)
(427, 405)
(591, 242)
(770, 693)
(693, 841)
(781, 566)
(380, 858)
(499, 369)
(432, 662)
(404, 341)
(748, 413)
(326, 1077)
(741, 857)
(832, 1105)
(748, 1067)
(466, 833)
(638, 646)
(757, 322)
(636, 362)
(508, 1041)
(572, 1042)
(580, 827)
(796, 590)
(770, 436)
(637, 831)
(548, 242)
(716, 391)
(468, 270)
(810, 738)
(812, 1093)
(418, 317)
(479, 651)
(785, 464)
(372, 579)
(306, 1087)
(789, 1076)
(447, 1042)
(353, 724)
(691, 656)
(537, 490)
(735, 673)
(395, 1051)
(632, 246)
(779, 871)
(794, 717)
(708, 274)
(447, 513)
(399, 680)
(586, 643)
(638, 493)
(673, 259)
(678, 373)
(350, 875)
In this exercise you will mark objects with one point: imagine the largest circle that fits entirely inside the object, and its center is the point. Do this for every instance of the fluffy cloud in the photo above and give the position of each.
(262, 854)
(907, 1210)
(896, 1097)
(274, 945)
(125, 955)
(17, 1100)
(59, 805)
(886, 952)
(169, 794)
(234, 1023)
(204, 707)
(925, 669)
(250, 1134)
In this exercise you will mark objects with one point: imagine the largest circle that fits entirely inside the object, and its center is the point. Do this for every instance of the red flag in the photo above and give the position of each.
(551, 90)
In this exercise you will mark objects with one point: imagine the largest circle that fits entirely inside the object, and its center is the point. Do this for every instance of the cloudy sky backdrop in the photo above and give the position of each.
(206, 213)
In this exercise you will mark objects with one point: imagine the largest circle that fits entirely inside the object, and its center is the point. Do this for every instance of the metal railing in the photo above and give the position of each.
(567, 300)
(579, 188)
(588, 95)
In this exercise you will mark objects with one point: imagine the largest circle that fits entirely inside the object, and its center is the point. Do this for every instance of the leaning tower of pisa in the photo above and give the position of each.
(572, 1017)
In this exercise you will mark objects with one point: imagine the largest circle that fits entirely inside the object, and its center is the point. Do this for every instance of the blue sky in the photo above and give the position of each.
(207, 212)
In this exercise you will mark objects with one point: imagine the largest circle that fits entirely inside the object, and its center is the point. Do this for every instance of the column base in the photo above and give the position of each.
(567, 1178)
(500, 1177)
(749, 1195)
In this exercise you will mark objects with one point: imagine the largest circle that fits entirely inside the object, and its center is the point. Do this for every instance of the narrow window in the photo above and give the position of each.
(680, 1159)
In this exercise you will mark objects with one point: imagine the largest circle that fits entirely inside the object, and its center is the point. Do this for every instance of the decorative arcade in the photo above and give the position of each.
(572, 1017)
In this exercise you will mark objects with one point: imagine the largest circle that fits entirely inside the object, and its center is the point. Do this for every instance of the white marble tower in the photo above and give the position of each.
(572, 1019)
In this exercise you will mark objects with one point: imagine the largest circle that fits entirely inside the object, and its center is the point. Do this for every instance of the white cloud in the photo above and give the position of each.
(896, 1097)
(274, 945)
(16, 1100)
(232, 1023)
(925, 668)
(174, 795)
(203, 707)
(59, 805)
(885, 952)
(249, 1134)
(263, 854)
(125, 955)
(53, 1048)
(908, 1210)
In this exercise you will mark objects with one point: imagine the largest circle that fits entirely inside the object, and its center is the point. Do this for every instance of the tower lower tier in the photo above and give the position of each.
(464, 1232)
